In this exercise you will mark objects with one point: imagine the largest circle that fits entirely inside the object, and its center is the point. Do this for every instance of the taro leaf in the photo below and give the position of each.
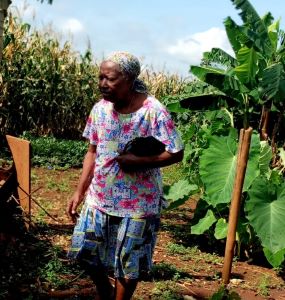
(179, 192)
(274, 259)
(218, 165)
(265, 210)
(204, 224)
(180, 189)
(221, 229)
(265, 157)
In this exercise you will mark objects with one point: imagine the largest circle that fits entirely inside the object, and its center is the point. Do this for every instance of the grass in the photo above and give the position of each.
(167, 271)
(166, 290)
(264, 286)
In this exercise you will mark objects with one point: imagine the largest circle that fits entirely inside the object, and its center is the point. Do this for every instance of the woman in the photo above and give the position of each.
(119, 221)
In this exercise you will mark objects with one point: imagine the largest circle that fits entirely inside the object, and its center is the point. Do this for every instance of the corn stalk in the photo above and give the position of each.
(4, 4)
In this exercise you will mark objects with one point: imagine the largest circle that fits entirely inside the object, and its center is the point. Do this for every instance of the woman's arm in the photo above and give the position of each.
(130, 161)
(84, 182)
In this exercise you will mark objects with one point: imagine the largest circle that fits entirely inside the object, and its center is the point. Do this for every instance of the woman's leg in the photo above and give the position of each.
(124, 288)
(100, 278)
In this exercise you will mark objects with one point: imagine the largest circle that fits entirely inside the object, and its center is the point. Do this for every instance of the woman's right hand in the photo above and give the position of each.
(72, 206)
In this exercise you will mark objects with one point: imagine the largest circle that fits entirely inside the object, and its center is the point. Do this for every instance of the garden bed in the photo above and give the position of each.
(35, 265)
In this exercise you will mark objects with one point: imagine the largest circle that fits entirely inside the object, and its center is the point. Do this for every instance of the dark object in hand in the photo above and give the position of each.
(144, 146)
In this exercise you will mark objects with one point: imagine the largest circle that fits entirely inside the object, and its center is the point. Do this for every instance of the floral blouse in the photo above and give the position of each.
(136, 194)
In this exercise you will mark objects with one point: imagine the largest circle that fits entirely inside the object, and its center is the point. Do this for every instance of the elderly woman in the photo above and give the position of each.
(122, 192)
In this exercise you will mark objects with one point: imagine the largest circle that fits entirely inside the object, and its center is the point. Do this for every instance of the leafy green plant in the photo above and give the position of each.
(167, 271)
(243, 87)
(263, 287)
(56, 153)
(48, 89)
(166, 290)
(224, 294)
(52, 270)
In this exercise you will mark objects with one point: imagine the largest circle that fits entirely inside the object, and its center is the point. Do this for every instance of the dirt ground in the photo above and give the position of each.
(184, 267)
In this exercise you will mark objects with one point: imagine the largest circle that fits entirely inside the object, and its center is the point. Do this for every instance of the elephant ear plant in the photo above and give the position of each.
(250, 84)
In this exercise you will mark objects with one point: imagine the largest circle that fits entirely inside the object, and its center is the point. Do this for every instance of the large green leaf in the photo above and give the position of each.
(234, 33)
(247, 68)
(265, 210)
(219, 57)
(179, 193)
(265, 157)
(218, 167)
(176, 107)
(204, 223)
(271, 81)
(221, 79)
(273, 31)
(221, 229)
(207, 102)
(274, 259)
(254, 27)
(180, 189)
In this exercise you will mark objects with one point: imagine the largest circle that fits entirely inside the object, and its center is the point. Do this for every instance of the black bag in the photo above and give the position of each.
(144, 146)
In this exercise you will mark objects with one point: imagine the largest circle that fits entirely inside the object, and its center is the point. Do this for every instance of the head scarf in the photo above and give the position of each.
(129, 66)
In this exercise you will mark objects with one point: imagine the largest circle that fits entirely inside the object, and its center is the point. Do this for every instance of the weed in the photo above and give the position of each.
(168, 272)
(53, 184)
(224, 294)
(263, 286)
(166, 290)
(192, 253)
(50, 272)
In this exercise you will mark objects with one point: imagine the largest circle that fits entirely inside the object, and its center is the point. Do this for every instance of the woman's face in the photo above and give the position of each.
(113, 85)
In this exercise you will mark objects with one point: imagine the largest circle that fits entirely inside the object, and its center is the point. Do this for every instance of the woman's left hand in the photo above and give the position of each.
(129, 162)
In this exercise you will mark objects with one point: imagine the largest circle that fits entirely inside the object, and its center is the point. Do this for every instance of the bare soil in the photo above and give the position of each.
(180, 273)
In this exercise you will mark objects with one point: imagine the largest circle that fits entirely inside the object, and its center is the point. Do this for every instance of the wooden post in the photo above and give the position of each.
(243, 152)
(21, 152)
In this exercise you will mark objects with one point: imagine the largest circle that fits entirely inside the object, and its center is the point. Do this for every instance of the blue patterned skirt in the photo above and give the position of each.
(123, 246)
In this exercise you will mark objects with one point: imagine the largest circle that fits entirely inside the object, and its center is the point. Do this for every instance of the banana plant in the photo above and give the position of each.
(252, 80)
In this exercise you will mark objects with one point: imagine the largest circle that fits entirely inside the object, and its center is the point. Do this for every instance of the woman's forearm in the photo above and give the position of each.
(87, 170)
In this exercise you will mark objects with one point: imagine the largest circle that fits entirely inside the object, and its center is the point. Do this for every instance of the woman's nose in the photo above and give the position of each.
(103, 82)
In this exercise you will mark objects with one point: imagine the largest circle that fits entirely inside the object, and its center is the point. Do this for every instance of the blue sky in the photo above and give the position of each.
(165, 34)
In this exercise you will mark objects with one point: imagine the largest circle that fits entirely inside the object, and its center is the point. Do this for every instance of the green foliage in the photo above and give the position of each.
(49, 89)
(46, 88)
(50, 272)
(265, 208)
(204, 223)
(179, 192)
(166, 290)
(56, 153)
(224, 294)
(275, 259)
(219, 162)
(167, 272)
(241, 85)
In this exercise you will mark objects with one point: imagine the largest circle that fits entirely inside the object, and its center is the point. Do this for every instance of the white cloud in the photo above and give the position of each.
(191, 48)
(72, 25)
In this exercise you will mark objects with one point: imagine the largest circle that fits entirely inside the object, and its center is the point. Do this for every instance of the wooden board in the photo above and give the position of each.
(21, 152)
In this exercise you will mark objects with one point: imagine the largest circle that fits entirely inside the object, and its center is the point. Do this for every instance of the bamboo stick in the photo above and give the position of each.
(243, 152)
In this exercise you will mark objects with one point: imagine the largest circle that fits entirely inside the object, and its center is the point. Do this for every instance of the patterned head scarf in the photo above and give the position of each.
(129, 66)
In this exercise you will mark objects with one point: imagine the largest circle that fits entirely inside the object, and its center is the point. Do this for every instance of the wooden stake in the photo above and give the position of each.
(243, 152)
(21, 152)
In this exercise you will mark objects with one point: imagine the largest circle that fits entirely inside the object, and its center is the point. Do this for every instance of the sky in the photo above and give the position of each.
(166, 35)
